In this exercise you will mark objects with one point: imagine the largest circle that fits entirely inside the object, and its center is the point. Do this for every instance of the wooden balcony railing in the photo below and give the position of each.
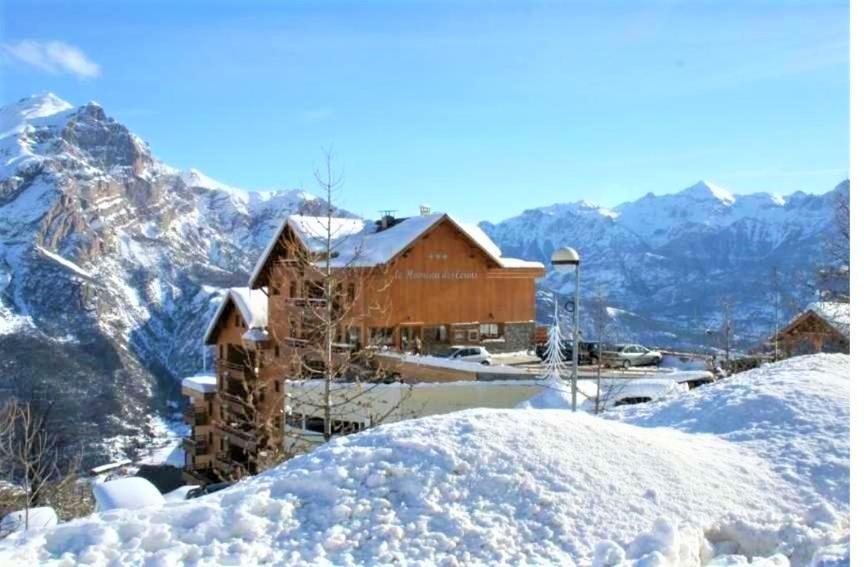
(195, 416)
(197, 445)
(239, 433)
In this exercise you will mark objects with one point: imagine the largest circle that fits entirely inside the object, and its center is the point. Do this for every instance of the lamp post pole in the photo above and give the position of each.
(566, 260)
(574, 376)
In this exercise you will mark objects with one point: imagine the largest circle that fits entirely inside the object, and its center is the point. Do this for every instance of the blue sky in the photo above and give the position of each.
(481, 109)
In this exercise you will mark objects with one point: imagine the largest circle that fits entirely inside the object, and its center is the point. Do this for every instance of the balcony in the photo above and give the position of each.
(195, 416)
(228, 465)
(196, 445)
(240, 434)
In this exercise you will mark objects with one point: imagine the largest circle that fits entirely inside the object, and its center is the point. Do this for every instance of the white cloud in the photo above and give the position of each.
(53, 57)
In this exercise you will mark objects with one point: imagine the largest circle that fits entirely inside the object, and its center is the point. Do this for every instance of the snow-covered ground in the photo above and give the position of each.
(756, 466)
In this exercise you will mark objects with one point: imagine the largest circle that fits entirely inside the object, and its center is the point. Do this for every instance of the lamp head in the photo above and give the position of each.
(565, 259)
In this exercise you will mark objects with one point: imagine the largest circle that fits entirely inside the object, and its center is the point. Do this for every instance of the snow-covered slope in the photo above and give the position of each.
(670, 261)
(110, 261)
(765, 473)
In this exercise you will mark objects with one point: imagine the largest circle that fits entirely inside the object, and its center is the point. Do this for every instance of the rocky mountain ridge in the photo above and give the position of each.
(666, 265)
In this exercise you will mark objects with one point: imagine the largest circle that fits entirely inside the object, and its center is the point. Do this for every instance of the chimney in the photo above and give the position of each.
(425, 210)
(386, 221)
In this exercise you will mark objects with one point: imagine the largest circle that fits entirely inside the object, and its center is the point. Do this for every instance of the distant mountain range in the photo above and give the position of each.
(111, 261)
(667, 265)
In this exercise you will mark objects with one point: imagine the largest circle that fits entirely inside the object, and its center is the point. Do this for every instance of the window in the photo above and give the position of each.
(473, 335)
(441, 335)
(351, 292)
(292, 290)
(459, 335)
(274, 290)
(489, 331)
(354, 335)
(381, 336)
(236, 320)
(276, 351)
(276, 386)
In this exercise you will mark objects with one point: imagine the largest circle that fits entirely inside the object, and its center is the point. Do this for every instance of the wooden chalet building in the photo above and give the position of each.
(420, 283)
(822, 327)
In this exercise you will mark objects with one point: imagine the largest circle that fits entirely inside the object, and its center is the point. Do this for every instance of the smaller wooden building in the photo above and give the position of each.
(822, 327)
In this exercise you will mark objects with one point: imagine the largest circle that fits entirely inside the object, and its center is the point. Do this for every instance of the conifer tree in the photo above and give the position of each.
(553, 362)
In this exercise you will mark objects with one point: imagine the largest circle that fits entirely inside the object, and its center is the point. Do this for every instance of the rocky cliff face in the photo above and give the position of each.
(110, 262)
(667, 265)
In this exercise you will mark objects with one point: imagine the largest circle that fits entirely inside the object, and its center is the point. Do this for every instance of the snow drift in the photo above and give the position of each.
(674, 482)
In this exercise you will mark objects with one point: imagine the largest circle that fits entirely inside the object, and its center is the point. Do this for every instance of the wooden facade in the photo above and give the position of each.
(809, 333)
(442, 287)
(813, 331)
(248, 389)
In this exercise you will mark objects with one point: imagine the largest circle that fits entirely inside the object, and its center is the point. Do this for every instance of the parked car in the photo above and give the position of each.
(470, 354)
(589, 352)
(208, 489)
(625, 356)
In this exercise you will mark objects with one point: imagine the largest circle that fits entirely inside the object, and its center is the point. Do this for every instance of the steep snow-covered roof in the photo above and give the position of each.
(356, 244)
(252, 304)
(834, 313)
(311, 230)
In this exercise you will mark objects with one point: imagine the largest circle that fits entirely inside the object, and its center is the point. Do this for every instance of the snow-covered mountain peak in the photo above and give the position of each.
(14, 117)
(706, 190)
(39, 105)
(579, 208)
(195, 178)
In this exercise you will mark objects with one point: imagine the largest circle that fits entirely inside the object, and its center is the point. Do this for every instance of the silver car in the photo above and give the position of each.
(625, 356)
(470, 354)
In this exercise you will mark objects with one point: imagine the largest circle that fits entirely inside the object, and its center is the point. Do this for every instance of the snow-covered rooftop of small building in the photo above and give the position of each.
(204, 383)
(357, 244)
(128, 493)
(834, 313)
(252, 304)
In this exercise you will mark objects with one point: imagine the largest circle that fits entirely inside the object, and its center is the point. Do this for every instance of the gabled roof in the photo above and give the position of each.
(834, 313)
(311, 231)
(252, 304)
(358, 245)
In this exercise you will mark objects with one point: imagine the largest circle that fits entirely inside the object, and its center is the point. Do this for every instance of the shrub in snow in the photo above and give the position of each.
(127, 493)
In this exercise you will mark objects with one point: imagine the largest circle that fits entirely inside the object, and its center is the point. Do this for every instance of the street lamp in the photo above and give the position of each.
(566, 260)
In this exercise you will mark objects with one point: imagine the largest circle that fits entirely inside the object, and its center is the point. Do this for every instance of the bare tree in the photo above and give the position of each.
(832, 277)
(727, 327)
(601, 322)
(324, 288)
(27, 450)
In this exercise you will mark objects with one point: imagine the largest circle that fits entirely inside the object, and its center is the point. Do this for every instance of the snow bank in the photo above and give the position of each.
(793, 413)
(517, 486)
(37, 518)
